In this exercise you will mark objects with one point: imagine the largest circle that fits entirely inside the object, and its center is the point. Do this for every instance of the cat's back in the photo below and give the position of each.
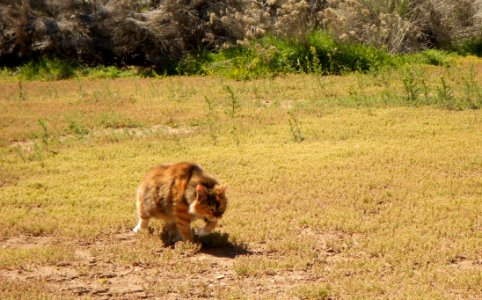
(184, 174)
(191, 174)
(156, 175)
(184, 170)
(165, 173)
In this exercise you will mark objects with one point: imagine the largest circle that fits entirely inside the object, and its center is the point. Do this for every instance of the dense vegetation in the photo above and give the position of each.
(320, 53)
(238, 38)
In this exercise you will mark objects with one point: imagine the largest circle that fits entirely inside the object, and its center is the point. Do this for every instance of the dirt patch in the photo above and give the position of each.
(86, 274)
(29, 145)
(100, 276)
(25, 242)
(463, 262)
(7, 178)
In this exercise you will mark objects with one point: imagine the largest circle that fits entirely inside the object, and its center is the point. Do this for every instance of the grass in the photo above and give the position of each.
(339, 186)
(38, 255)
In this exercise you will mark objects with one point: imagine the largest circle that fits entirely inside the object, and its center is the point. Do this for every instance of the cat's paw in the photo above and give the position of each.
(136, 229)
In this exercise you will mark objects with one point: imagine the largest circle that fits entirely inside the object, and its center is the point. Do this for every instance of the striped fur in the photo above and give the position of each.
(179, 194)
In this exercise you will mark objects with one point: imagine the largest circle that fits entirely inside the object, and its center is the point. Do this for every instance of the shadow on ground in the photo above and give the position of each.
(219, 245)
(215, 244)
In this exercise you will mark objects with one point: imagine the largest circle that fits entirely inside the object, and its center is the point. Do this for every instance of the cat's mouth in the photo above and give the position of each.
(211, 219)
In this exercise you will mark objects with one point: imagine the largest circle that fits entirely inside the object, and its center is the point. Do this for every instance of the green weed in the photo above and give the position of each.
(446, 95)
(112, 119)
(211, 121)
(21, 92)
(295, 128)
(82, 93)
(233, 111)
(45, 135)
(39, 150)
(411, 84)
(472, 91)
(75, 126)
(234, 104)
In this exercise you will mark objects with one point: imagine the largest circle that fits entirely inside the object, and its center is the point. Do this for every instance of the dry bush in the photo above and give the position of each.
(155, 32)
(121, 32)
(404, 25)
(291, 18)
(441, 23)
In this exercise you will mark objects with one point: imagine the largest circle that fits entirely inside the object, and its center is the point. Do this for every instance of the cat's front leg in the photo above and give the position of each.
(185, 231)
(183, 224)
(207, 229)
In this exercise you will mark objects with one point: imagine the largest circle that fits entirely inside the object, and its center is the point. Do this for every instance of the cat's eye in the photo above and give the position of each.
(213, 203)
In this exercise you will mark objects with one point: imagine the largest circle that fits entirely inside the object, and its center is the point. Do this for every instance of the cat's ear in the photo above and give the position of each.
(201, 191)
(222, 189)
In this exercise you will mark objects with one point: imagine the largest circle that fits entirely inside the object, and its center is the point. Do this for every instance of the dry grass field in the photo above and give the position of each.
(340, 187)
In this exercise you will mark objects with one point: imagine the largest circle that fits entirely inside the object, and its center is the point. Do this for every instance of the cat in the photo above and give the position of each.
(179, 194)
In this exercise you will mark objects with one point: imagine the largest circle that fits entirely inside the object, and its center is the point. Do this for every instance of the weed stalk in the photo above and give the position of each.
(295, 128)
(210, 119)
(21, 93)
(234, 103)
(412, 89)
(472, 91)
(446, 95)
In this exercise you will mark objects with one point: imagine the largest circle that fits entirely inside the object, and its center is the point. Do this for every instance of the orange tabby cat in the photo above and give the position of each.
(178, 194)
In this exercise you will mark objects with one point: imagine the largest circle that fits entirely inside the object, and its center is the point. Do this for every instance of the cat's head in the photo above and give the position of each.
(210, 203)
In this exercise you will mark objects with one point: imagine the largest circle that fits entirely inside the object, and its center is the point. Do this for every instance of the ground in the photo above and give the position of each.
(339, 187)
(100, 277)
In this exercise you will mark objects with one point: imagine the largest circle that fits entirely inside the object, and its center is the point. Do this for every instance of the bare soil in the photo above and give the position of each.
(101, 277)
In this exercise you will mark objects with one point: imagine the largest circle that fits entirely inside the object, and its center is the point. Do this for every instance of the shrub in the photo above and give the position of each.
(437, 57)
(318, 53)
(471, 46)
(47, 69)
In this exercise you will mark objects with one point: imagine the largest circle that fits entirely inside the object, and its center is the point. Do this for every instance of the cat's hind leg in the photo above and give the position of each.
(142, 224)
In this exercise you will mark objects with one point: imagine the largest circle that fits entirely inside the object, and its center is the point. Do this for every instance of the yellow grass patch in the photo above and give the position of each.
(376, 199)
